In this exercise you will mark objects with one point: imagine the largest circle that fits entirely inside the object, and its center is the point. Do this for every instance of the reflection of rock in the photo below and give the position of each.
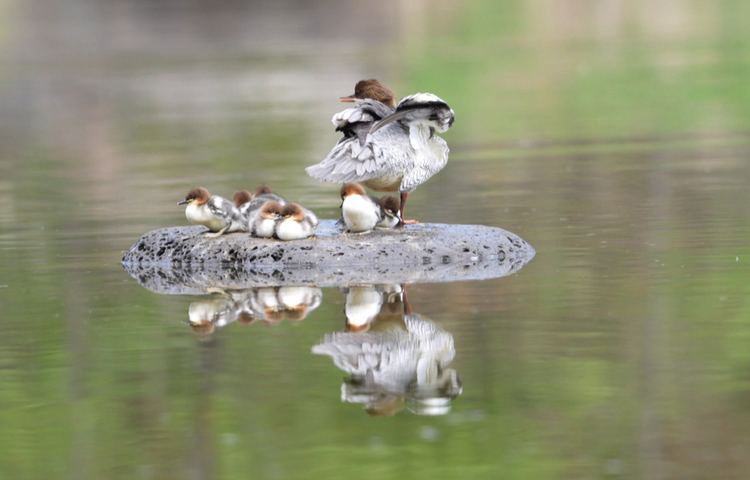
(268, 305)
(427, 253)
(393, 358)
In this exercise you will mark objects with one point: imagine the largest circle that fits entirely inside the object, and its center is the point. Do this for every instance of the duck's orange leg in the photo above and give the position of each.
(404, 196)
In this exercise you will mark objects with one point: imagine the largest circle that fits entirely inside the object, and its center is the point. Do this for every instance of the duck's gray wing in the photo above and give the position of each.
(424, 108)
(358, 120)
(224, 208)
(384, 153)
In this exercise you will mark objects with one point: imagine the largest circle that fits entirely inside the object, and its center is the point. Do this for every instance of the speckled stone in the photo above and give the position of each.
(168, 262)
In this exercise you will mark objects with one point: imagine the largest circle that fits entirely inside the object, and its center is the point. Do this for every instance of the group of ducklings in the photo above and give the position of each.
(267, 215)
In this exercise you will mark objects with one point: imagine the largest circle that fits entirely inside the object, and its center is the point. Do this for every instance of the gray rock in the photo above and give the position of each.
(166, 262)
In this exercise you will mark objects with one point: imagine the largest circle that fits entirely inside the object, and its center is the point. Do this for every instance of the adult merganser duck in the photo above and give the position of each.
(262, 222)
(360, 212)
(387, 149)
(216, 213)
(297, 222)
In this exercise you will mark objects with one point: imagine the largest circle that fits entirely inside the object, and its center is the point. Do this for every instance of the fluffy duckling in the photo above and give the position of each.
(264, 191)
(361, 213)
(216, 213)
(262, 222)
(241, 200)
(297, 223)
(391, 212)
(247, 202)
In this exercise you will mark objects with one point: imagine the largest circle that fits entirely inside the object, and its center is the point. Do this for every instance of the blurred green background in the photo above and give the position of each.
(611, 135)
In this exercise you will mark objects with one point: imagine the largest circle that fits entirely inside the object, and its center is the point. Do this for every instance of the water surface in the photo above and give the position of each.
(614, 139)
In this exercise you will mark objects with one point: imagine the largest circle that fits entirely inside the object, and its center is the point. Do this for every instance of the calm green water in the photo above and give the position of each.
(612, 136)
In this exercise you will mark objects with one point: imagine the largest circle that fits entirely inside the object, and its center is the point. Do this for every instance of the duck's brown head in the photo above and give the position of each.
(196, 196)
(271, 210)
(245, 318)
(372, 89)
(241, 197)
(391, 204)
(352, 188)
(293, 211)
(263, 189)
(296, 312)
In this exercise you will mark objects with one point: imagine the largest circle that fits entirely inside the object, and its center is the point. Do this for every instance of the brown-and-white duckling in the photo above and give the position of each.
(297, 223)
(361, 212)
(387, 149)
(241, 200)
(262, 222)
(217, 213)
(391, 206)
(248, 202)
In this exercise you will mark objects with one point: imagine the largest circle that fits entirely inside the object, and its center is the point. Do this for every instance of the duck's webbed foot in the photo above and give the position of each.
(217, 234)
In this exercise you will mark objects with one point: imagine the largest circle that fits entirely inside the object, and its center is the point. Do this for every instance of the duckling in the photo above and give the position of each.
(297, 223)
(360, 212)
(391, 212)
(241, 200)
(216, 213)
(262, 222)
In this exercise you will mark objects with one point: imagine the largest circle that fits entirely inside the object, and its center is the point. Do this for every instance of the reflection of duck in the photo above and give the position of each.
(217, 213)
(267, 304)
(401, 358)
(387, 149)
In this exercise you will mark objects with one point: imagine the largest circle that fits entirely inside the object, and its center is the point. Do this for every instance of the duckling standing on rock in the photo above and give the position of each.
(262, 222)
(387, 149)
(297, 223)
(361, 213)
(216, 213)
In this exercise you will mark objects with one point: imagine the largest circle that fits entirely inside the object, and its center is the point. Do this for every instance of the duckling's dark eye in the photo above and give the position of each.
(357, 93)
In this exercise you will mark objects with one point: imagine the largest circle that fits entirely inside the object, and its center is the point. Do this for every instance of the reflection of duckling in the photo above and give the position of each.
(216, 213)
(273, 304)
(380, 308)
(297, 223)
(262, 222)
(205, 315)
(298, 301)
